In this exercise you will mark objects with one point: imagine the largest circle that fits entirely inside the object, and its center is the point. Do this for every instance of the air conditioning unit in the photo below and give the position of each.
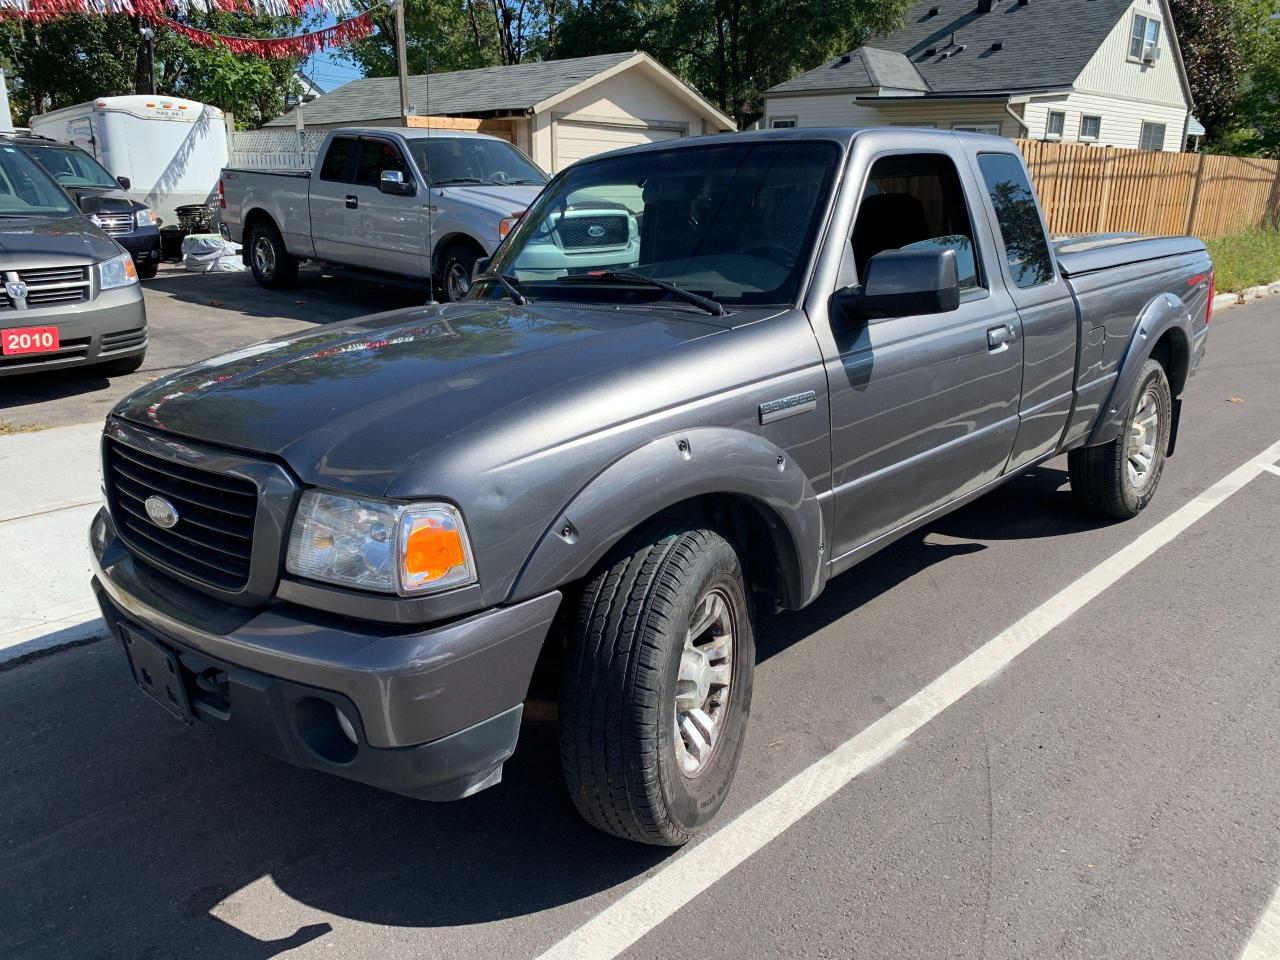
(1151, 56)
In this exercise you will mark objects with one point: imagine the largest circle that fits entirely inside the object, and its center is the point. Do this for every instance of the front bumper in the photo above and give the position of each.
(143, 244)
(435, 712)
(112, 325)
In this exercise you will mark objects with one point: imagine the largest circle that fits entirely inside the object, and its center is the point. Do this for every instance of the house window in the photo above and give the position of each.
(1057, 124)
(782, 123)
(1142, 41)
(991, 128)
(1152, 136)
(1090, 128)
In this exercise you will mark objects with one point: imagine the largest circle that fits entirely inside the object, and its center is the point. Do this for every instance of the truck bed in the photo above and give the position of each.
(1082, 255)
(305, 174)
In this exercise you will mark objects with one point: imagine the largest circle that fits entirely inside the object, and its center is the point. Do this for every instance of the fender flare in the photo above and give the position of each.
(1163, 314)
(671, 470)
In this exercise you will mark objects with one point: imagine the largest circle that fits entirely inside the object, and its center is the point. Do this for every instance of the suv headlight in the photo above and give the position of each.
(405, 548)
(117, 272)
(146, 217)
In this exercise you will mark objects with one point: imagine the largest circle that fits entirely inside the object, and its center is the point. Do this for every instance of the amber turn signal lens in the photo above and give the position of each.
(434, 550)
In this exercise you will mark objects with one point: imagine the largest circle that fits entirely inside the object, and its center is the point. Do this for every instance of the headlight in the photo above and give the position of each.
(391, 547)
(146, 217)
(117, 272)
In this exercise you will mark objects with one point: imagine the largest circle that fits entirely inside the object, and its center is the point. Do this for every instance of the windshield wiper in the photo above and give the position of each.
(508, 284)
(712, 307)
(449, 181)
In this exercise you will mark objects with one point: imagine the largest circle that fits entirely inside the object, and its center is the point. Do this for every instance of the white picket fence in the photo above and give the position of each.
(283, 149)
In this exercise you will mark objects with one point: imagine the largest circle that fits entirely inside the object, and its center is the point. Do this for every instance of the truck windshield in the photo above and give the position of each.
(457, 161)
(72, 167)
(27, 191)
(731, 222)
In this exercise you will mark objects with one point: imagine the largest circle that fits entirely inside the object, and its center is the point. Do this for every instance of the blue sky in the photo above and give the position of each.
(326, 69)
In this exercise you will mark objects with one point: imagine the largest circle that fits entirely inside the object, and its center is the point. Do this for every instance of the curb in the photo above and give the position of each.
(1242, 297)
(74, 634)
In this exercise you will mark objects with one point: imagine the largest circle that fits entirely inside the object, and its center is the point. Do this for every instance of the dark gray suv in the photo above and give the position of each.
(71, 294)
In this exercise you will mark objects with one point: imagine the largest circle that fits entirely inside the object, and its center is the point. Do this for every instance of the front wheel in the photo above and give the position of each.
(272, 265)
(148, 271)
(1118, 479)
(455, 274)
(657, 687)
(121, 367)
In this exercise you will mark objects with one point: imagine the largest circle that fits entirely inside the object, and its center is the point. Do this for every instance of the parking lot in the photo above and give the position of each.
(1020, 732)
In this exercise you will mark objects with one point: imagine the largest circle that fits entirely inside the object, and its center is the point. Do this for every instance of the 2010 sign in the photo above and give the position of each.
(28, 340)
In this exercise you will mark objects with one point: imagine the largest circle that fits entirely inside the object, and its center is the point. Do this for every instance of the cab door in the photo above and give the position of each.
(331, 224)
(388, 230)
(924, 409)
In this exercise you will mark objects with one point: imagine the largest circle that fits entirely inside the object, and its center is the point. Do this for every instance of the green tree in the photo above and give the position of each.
(441, 35)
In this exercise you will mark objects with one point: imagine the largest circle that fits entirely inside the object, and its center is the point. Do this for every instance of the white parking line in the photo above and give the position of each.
(1265, 942)
(633, 915)
(1272, 468)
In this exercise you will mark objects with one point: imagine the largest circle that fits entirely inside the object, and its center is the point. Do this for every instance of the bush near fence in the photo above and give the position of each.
(1086, 189)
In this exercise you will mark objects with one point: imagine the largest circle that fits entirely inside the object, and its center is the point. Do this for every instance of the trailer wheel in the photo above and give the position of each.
(272, 265)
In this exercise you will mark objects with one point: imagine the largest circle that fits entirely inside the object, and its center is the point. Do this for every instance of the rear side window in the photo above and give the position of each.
(335, 161)
(915, 202)
(375, 157)
(1025, 244)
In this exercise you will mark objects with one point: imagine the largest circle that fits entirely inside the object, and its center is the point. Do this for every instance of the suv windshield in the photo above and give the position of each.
(732, 222)
(71, 166)
(463, 160)
(26, 190)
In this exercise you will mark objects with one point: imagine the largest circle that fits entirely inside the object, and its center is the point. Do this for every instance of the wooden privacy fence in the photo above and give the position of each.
(1086, 189)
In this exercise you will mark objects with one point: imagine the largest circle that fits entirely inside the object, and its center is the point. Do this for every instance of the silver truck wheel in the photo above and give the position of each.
(272, 265)
(657, 685)
(1118, 479)
(455, 274)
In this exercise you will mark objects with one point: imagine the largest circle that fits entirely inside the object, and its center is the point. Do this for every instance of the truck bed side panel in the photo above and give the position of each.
(281, 196)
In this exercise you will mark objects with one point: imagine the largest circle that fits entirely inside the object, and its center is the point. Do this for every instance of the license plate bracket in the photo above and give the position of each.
(158, 673)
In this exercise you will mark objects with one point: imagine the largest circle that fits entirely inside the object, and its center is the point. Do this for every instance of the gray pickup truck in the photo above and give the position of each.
(364, 548)
(402, 205)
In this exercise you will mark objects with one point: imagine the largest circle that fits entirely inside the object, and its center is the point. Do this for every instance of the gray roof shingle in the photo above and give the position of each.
(517, 87)
(1046, 43)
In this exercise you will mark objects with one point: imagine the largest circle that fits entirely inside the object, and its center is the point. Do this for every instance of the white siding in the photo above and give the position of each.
(841, 110)
(1121, 118)
(1110, 72)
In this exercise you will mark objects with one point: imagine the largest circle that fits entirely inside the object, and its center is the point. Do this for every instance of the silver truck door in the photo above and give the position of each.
(1048, 312)
(388, 231)
(331, 224)
(923, 408)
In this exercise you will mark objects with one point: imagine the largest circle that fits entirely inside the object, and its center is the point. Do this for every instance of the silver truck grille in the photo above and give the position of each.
(114, 224)
(49, 285)
(212, 539)
(593, 230)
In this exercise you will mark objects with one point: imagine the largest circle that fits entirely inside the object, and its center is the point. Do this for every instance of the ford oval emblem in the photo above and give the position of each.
(161, 512)
(16, 289)
(595, 231)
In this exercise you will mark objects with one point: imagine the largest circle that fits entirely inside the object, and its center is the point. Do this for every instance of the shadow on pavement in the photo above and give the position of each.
(130, 836)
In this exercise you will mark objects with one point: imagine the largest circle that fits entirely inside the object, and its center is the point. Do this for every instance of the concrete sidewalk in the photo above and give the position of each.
(50, 488)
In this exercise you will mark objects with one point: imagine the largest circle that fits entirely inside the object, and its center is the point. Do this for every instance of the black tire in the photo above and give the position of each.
(121, 367)
(455, 271)
(272, 265)
(147, 271)
(618, 707)
(1101, 477)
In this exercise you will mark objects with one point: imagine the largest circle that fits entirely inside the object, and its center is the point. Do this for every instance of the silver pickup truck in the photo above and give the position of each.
(405, 204)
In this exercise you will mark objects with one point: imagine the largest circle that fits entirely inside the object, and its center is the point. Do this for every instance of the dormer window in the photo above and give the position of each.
(1144, 40)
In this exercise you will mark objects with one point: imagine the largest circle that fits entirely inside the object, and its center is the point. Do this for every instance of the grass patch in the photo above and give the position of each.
(1246, 259)
(8, 429)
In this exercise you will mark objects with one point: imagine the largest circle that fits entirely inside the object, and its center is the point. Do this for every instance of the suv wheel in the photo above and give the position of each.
(657, 686)
(148, 271)
(272, 265)
(455, 274)
(1118, 479)
(121, 367)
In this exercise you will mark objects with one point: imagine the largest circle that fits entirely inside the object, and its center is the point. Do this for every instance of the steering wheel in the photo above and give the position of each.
(499, 176)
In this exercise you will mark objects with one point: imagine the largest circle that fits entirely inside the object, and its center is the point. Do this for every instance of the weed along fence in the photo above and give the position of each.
(1087, 189)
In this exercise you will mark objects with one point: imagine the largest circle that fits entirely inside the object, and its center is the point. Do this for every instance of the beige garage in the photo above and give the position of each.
(558, 112)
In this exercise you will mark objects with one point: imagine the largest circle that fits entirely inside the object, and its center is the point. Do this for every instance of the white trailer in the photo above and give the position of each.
(170, 149)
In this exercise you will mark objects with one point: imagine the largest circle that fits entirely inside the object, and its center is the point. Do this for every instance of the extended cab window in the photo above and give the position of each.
(377, 156)
(1018, 215)
(335, 161)
(915, 202)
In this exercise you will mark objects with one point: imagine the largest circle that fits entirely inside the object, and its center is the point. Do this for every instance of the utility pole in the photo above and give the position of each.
(402, 64)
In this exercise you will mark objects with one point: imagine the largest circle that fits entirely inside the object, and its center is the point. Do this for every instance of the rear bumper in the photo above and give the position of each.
(434, 713)
(111, 325)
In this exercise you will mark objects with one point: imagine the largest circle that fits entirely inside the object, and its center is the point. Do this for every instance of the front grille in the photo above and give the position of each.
(48, 285)
(114, 224)
(607, 230)
(124, 339)
(212, 541)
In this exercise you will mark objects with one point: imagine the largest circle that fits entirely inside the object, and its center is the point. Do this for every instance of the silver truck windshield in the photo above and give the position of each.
(458, 161)
(72, 167)
(26, 190)
(731, 222)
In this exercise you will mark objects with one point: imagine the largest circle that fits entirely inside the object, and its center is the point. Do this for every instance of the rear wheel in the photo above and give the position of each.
(657, 686)
(455, 271)
(272, 265)
(1118, 479)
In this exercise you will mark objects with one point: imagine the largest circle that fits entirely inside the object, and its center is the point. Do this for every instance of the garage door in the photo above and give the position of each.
(576, 140)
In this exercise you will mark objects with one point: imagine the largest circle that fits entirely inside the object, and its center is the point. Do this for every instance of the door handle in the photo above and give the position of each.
(352, 202)
(999, 338)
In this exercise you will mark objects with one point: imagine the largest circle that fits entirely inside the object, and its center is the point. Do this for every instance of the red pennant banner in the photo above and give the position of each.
(44, 10)
(269, 48)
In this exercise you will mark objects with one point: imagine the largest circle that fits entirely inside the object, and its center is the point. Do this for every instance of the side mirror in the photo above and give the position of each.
(903, 283)
(393, 182)
(125, 182)
(479, 267)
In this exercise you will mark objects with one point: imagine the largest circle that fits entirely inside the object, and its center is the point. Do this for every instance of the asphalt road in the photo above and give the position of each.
(193, 316)
(1110, 793)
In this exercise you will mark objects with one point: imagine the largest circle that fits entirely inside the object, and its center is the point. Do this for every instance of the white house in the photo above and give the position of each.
(1107, 72)
(557, 111)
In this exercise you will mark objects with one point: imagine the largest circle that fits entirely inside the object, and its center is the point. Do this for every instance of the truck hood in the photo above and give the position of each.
(103, 199)
(503, 200)
(351, 405)
(53, 242)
